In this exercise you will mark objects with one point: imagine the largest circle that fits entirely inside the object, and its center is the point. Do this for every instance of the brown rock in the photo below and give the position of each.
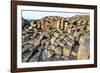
(66, 51)
(83, 52)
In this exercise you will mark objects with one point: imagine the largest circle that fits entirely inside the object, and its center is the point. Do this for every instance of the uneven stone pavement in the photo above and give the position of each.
(44, 42)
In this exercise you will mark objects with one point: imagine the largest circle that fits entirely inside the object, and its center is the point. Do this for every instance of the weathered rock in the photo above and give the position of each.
(76, 34)
(73, 53)
(58, 40)
(84, 39)
(36, 42)
(53, 39)
(25, 38)
(56, 34)
(71, 37)
(27, 55)
(45, 43)
(75, 47)
(83, 52)
(43, 56)
(66, 50)
(27, 47)
(66, 38)
(70, 43)
(23, 32)
(57, 58)
(51, 47)
(49, 53)
(62, 43)
(64, 58)
(58, 50)
(35, 57)
(56, 43)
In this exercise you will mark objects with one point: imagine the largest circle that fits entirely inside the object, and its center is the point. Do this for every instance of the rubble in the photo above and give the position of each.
(55, 38)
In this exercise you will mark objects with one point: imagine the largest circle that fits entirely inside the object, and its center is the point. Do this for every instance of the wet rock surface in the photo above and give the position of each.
(55, 38)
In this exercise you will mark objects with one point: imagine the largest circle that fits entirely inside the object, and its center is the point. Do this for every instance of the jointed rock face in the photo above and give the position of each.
(55, 38)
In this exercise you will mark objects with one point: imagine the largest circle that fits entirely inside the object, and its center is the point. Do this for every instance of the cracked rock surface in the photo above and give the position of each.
(55, 38)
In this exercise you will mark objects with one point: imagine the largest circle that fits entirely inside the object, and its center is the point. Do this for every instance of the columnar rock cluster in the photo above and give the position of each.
(55, 38)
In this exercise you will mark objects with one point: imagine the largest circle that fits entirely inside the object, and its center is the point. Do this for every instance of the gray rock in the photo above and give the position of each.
(64, 58)
(70, 43)
(49, 53)
(83, 52)
(25, 38)
(35, 57)
(45, 42)
(51, 47)
(56, 34)
(53, 39)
